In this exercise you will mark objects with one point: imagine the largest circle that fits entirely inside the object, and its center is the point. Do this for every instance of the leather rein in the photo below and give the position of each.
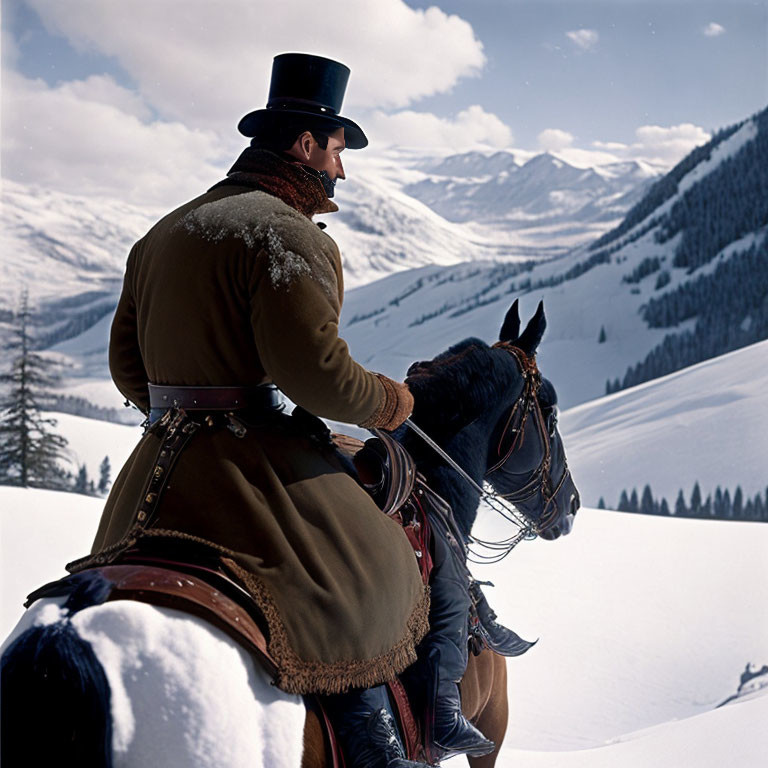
(540, 481)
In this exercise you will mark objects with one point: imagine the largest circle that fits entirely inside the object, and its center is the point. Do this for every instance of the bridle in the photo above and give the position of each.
(540, 481)
(528, 402)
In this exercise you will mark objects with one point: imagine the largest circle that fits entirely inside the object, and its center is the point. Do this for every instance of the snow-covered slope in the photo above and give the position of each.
(706, 424)
(90, 440)
(415, 315)
(641, 621)
(64, 246)
(724, 737)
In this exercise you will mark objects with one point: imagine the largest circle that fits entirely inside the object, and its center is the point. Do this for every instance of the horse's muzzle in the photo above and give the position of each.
(568, 501)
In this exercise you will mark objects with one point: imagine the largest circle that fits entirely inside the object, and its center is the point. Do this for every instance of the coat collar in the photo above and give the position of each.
(294, 183)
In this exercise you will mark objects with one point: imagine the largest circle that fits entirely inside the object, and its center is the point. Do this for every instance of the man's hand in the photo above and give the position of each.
(395, 408)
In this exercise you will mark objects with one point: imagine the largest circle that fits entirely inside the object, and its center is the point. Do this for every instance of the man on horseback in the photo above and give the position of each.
(229, 297)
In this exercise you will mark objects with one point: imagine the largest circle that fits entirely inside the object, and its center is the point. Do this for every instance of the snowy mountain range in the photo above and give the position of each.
(543, 191)
(62, 245)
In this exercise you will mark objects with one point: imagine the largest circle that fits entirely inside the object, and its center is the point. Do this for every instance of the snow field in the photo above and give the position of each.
(642, 622)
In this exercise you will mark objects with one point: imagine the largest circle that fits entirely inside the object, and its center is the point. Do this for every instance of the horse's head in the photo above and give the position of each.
(526, 457)
(493, 412)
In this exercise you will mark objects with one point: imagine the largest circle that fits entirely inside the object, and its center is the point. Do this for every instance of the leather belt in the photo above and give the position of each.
(262, 397)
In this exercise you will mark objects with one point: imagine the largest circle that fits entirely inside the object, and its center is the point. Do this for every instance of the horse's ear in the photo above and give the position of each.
(531, 336)
(511, 326)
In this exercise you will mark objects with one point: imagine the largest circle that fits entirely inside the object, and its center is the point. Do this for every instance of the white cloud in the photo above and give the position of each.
(656, 144)
(207, 63)
(92, 137)
(471, 127)
(585, 39)
(713, 29)
(553, 139)
(104, 90)
(198, 67)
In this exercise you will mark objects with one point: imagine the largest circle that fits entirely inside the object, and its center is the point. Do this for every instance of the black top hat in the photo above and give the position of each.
(306, 85)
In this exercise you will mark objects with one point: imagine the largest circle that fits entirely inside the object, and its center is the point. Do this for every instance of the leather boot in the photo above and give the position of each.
(445, 648)
(496, 636)
(453, 733)
(366, 729)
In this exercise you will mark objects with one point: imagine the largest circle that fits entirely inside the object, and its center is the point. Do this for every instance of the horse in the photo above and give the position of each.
(129, 684)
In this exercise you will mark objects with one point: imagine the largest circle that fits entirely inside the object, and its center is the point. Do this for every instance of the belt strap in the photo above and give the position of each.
(264, 396)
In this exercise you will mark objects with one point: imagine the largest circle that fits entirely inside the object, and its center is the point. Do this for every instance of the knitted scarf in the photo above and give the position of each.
(294, 183)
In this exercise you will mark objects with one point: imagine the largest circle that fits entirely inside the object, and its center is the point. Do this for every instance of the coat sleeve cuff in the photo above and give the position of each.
(395, 407)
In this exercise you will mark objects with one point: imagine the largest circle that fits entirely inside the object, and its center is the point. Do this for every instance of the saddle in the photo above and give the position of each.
(388, 472)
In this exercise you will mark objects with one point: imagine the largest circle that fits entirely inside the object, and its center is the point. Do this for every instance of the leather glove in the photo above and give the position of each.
(394, 409)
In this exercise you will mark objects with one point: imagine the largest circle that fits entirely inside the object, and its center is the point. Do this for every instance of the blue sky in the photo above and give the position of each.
(651, 63)
(167, 80)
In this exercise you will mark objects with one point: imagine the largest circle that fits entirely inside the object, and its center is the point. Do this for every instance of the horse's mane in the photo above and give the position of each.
(459, 385)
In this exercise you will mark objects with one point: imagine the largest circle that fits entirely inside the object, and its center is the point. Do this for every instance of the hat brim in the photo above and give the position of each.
(253, 122)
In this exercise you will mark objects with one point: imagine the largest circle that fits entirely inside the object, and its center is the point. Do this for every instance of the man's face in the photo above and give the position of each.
(328, 159)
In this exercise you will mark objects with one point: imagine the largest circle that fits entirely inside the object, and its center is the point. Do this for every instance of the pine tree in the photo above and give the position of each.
(634, 503)
(602, 337)
(664, 508)
(680, 509)
(696, 499)
(727, 510)
(105, 470)
(760, 510)
(738, 504)
(646, 502)
(29, 451)
(601, 503)
(81, 481)
(623, 502)
(718, 510)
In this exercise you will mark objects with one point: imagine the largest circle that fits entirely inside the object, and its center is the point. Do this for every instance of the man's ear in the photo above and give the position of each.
(304, 144)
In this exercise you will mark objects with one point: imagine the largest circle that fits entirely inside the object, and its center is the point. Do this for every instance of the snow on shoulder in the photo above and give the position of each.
(295, 246)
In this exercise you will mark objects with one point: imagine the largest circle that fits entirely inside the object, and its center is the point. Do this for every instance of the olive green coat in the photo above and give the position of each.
(238, 288)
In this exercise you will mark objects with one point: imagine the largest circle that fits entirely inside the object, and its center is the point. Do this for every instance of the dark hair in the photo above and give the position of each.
(281, 132)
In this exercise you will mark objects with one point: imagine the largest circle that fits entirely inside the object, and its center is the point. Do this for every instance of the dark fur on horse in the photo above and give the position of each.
(56, 701)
